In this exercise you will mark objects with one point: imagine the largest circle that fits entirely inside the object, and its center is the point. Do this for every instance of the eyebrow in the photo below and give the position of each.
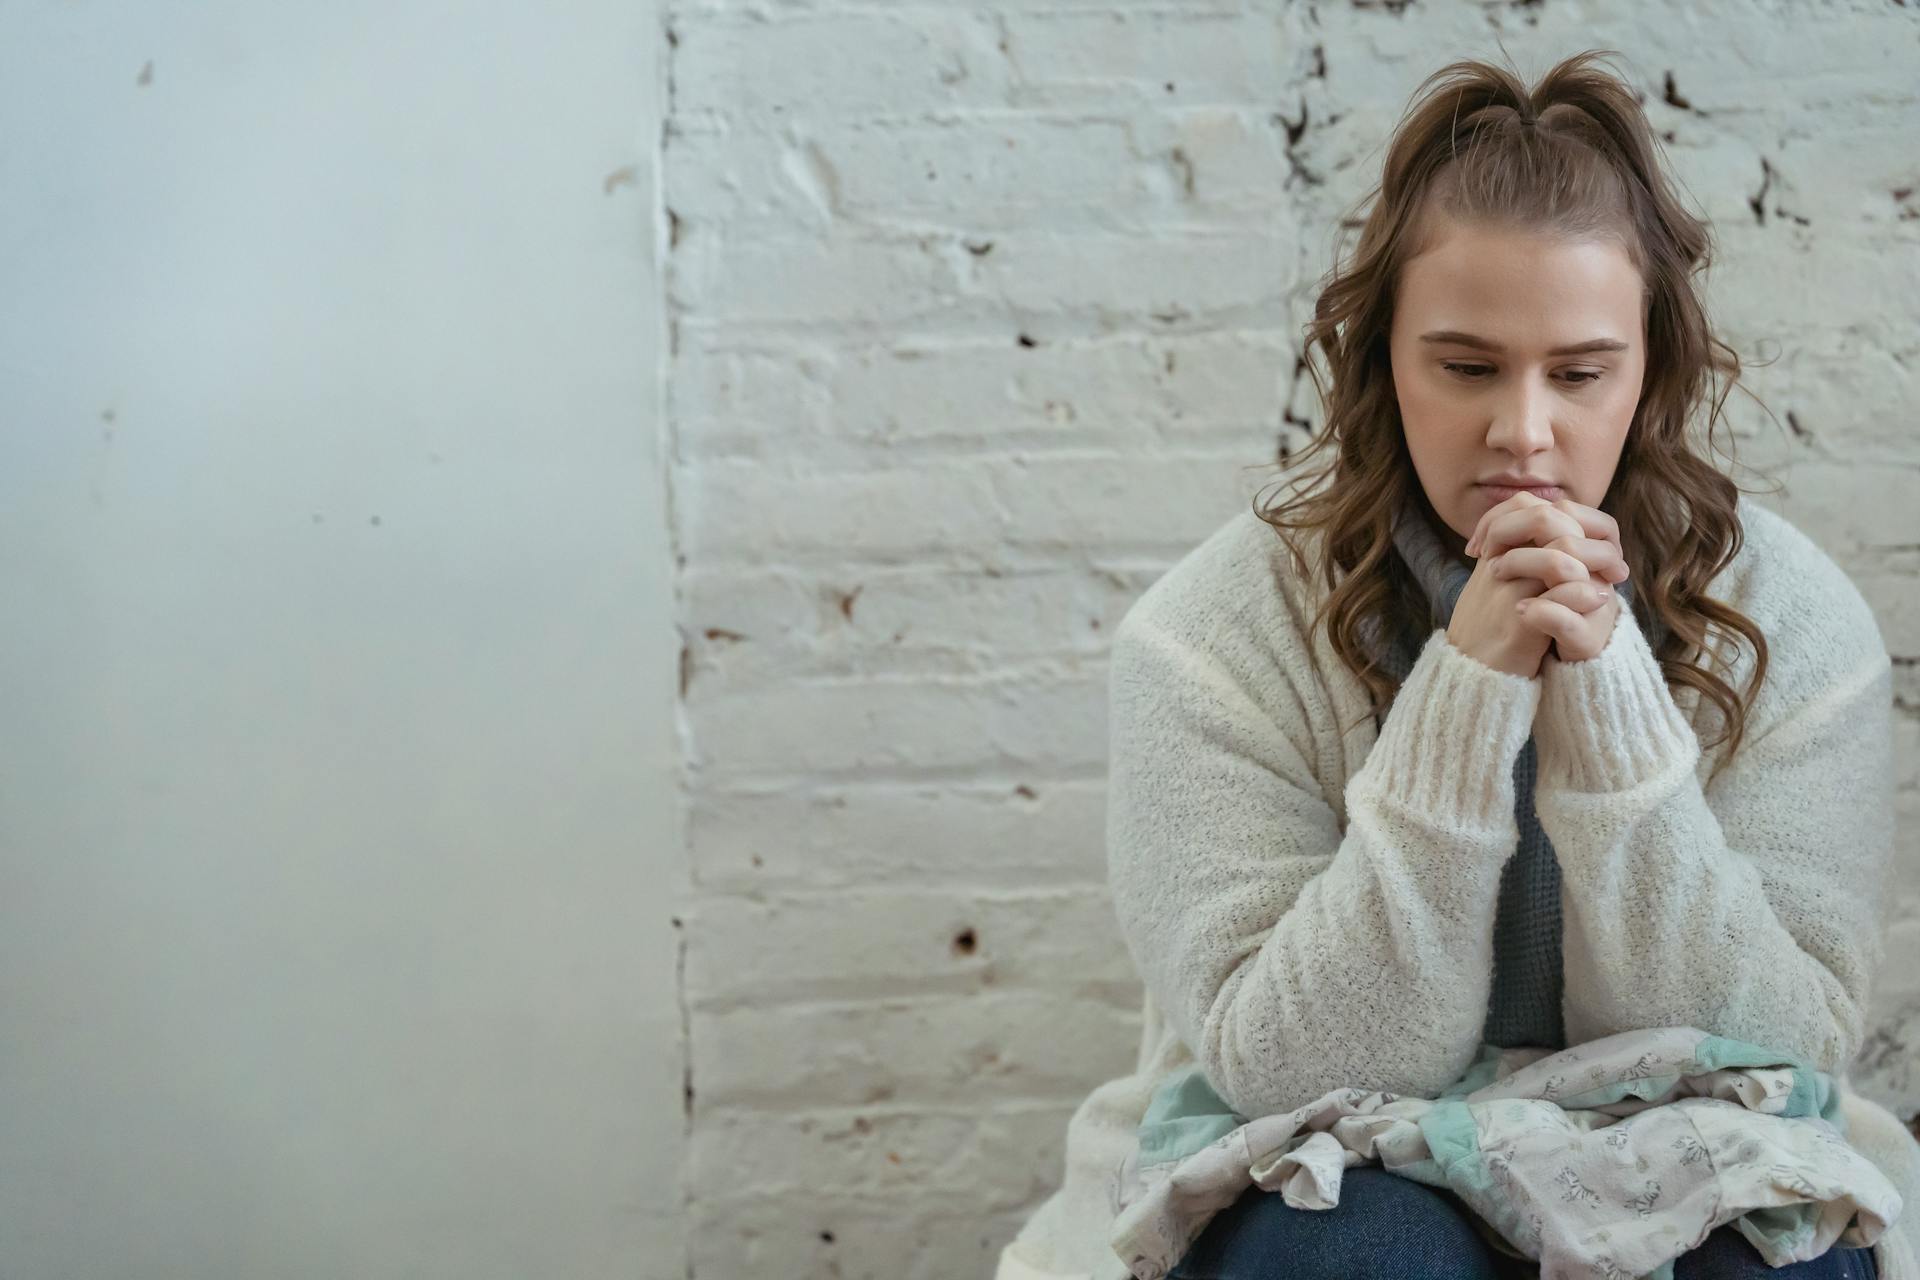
(1458, 338)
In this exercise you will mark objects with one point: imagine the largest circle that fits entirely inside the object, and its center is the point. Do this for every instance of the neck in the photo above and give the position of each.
(1456, 546)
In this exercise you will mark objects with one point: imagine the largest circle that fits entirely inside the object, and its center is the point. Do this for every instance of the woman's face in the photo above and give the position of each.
(1486, 381)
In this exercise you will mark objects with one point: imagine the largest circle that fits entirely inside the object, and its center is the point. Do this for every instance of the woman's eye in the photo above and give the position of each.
(1472, 372)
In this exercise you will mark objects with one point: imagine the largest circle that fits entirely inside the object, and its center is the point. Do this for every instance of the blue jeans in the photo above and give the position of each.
(1393, 1227)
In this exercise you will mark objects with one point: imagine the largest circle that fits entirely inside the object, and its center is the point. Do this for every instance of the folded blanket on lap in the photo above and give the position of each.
(1609, 1159)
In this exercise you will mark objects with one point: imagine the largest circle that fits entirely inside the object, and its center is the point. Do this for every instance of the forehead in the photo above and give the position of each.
(1520, 287)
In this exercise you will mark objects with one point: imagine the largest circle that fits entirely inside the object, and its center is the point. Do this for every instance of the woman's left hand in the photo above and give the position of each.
(1579, 631)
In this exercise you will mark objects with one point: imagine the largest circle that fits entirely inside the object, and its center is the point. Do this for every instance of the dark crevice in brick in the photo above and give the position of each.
(1672, 96)
(1296, 129)
(1758, 200)
(1184, 165)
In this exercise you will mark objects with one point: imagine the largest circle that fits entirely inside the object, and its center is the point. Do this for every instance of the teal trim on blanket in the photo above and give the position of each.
(1478, 1075)
(1814, 1092)
(1789, 1226)
(1454, 1140)
(1184, 1117)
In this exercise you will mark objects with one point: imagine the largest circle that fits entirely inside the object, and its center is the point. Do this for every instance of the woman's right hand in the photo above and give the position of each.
(1486, 623)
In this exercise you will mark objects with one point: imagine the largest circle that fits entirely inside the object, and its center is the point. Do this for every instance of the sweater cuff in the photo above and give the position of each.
(1448, 743)
(1608, 723)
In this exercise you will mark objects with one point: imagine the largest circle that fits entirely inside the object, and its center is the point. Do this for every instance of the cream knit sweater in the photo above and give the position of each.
(1310, 908)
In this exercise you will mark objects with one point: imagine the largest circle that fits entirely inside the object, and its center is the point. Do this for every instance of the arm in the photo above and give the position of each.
(1749, 910)
(1293, 959)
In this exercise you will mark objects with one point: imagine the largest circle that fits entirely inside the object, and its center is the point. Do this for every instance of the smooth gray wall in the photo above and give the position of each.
(338, 835)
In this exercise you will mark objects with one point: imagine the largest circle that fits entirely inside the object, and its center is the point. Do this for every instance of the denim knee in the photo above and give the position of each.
(1385, 1225)
(1727, 1255)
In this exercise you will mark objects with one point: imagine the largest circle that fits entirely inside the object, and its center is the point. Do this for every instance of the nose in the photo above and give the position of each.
(1522, 425)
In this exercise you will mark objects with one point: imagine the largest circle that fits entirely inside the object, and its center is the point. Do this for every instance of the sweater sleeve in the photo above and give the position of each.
(1291, 957)
(1748, 909)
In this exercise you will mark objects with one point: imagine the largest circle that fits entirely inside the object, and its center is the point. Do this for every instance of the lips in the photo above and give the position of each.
(1502, 492)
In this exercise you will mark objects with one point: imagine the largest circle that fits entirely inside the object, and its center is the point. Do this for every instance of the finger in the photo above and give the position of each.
(1537, 523)
(1544, 565)
(1602, 558)
(1514, 503)
(1480, 525)
(1576, 636)
(1592, 522)
(1553, 619)
(1581, 597)
(1596, 523)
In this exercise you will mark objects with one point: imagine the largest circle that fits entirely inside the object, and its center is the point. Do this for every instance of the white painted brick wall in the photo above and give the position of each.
(983, 316)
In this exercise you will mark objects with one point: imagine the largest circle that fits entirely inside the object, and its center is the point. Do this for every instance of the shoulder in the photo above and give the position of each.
(1788, 584)
(1238, 588)
(1224, 634)
(1822, 635)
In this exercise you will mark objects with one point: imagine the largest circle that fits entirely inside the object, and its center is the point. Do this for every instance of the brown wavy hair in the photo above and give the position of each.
(1573, 157)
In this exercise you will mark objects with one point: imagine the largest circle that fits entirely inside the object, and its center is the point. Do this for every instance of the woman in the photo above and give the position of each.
(1486, 763)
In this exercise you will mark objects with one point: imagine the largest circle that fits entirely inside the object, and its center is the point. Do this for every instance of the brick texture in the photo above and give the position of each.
(982, 316)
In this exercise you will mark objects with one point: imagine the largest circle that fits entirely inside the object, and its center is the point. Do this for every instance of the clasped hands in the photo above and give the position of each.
(1567, 547)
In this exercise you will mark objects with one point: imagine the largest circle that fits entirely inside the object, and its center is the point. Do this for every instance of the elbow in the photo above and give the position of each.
(1256, 1084)
(1261, 1065)
(1253, 1077)
(1832, 1034)
(1255, 1068)
(1826, 1039)
(1846, 1033)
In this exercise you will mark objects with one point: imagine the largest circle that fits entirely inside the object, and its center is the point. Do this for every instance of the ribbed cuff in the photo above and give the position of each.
(1447, 746)
(1608, 723)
